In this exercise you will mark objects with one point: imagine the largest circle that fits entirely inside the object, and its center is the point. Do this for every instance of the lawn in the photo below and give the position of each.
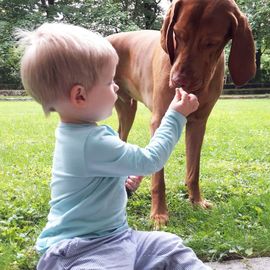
(235, 177)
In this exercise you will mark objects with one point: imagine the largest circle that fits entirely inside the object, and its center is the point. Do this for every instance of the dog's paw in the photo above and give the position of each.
(159, 221)
(202, 203)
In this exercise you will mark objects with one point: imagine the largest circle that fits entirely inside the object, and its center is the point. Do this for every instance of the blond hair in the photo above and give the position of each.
(57, 56)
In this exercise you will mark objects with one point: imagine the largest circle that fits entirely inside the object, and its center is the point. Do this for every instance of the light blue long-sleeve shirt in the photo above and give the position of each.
(90, 166)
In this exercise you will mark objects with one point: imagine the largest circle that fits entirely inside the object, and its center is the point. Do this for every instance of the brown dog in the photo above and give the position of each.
(188, 53)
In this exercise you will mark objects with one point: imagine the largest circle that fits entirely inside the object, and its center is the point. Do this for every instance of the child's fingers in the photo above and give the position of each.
(139, 178)
(192, 97)
(194, 103)
(182, 91)
(177, 96)
(133, 182)
(131, 185)
(178, 93)
(135, 178)
(132, 177)
(184, 96)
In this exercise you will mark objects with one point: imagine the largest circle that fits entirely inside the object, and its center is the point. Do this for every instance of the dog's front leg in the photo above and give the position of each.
(195, 130)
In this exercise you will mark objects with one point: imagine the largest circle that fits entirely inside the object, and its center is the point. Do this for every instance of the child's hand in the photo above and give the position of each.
(133, 182)
(183, 102)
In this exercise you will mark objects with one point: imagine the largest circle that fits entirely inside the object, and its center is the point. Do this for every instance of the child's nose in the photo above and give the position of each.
(116, 87)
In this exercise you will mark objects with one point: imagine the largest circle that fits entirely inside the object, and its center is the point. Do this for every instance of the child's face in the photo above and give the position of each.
(102, 97)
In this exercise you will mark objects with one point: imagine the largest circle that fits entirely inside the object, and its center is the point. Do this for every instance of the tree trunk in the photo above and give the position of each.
(258, 64)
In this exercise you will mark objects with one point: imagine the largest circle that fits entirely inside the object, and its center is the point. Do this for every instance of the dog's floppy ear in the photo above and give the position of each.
(167, 42)
(242, 63)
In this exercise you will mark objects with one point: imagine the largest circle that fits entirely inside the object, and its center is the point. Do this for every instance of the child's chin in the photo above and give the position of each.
(104, 116)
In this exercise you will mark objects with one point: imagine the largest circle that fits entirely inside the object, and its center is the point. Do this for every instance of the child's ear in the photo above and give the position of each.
(78, 95)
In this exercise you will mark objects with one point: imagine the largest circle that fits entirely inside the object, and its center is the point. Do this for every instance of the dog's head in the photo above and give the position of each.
(194, 34)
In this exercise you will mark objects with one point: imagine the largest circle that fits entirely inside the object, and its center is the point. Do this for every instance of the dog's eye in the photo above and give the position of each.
(210, 44)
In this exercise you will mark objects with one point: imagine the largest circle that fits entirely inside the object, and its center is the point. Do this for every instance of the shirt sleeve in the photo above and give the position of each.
(107, 155)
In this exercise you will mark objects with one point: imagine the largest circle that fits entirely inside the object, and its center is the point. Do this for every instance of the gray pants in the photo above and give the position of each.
(125, 251)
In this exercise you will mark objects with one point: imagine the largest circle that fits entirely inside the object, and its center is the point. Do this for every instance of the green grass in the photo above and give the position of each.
(235, 176)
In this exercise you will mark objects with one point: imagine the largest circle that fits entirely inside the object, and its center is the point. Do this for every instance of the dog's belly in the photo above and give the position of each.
(134, 72)
(140, 92)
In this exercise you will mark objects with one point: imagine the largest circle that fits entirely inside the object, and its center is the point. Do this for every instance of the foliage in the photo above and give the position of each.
(258, 14)
(18, 13)
(234, 176)
(106, 17)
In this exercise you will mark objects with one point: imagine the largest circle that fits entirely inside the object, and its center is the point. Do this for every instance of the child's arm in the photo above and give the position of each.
(107, 155)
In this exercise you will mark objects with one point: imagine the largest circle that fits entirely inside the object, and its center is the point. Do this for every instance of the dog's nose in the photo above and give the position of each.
(179, 80)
